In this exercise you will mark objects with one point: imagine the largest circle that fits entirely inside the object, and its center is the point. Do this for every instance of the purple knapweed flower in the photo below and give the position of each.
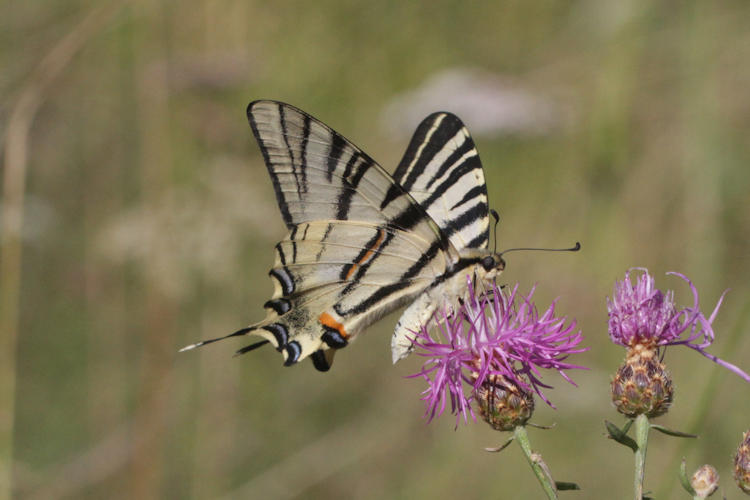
(642, 315)
(498, 336)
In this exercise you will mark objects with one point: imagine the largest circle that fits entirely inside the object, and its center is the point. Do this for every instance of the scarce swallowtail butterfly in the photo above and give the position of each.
(361, 242)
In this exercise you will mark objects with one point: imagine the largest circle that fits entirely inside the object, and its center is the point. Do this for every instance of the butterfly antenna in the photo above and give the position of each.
(495, 216)
(571, 249)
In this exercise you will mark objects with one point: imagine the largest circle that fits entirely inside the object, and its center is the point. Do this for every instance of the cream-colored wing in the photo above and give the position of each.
(442, 171)
(319, 175)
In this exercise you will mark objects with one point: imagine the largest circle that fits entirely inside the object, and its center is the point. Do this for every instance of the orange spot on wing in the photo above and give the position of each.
(368, 254)
(351, 270)
(327, 320)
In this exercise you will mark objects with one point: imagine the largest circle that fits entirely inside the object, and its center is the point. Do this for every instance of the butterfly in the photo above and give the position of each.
(361, 242)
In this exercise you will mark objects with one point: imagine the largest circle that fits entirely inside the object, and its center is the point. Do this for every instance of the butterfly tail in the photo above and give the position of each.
(276, 333)
(296, 344)
(243, 331)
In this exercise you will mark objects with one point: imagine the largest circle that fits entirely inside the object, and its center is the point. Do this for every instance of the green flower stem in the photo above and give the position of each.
(641, 438)
(542, 474)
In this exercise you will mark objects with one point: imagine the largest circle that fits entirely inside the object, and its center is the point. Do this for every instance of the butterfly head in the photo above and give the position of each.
(487, 265)
(492, 264)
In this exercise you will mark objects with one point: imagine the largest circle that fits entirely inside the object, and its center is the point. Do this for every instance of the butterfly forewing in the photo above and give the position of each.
(442, 171)
(319, 175)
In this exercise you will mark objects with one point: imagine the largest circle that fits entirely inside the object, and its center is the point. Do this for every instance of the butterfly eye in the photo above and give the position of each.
(488, 263)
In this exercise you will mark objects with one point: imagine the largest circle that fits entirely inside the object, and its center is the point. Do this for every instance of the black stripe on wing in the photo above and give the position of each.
(441, 163)
(430, 138)
(355, 169)
(334, 156)
(311, 163)
(457, 171)
(318, 174)
(283, 206)
(402, 282)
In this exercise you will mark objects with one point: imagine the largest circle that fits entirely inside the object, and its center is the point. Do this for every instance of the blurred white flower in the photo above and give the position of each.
(196, 231)
(490, 105)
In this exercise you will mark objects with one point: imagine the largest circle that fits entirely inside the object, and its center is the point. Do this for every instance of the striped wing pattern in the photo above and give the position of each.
(360, 244)
(333, 278)
(442, 171)
(319, 175)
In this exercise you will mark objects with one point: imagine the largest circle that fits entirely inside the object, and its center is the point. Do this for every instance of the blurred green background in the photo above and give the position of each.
(149, 220)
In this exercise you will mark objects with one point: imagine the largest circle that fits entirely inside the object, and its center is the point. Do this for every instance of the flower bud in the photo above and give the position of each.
(705, 481)
(742, 464)
(503, 404)
(642, 385)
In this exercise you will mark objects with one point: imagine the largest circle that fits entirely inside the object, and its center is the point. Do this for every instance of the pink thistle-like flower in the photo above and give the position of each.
(641, 314)
(495, 335)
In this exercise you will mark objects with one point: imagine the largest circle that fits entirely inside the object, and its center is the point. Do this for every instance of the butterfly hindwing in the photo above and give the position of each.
(334, 278)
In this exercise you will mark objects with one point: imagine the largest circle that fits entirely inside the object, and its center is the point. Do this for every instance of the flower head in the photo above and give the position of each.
(642, 315)
(496, 337)
(742, 464)
(642, 385)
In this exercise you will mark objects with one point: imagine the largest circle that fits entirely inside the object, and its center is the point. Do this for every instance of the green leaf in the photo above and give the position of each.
(543, 427)
(628, 424)
(565, 486)
(670, 432)
(620, 435)
(684, 481)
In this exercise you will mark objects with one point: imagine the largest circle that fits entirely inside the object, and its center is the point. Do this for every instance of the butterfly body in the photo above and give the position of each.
(443, 297)
(362, 243)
